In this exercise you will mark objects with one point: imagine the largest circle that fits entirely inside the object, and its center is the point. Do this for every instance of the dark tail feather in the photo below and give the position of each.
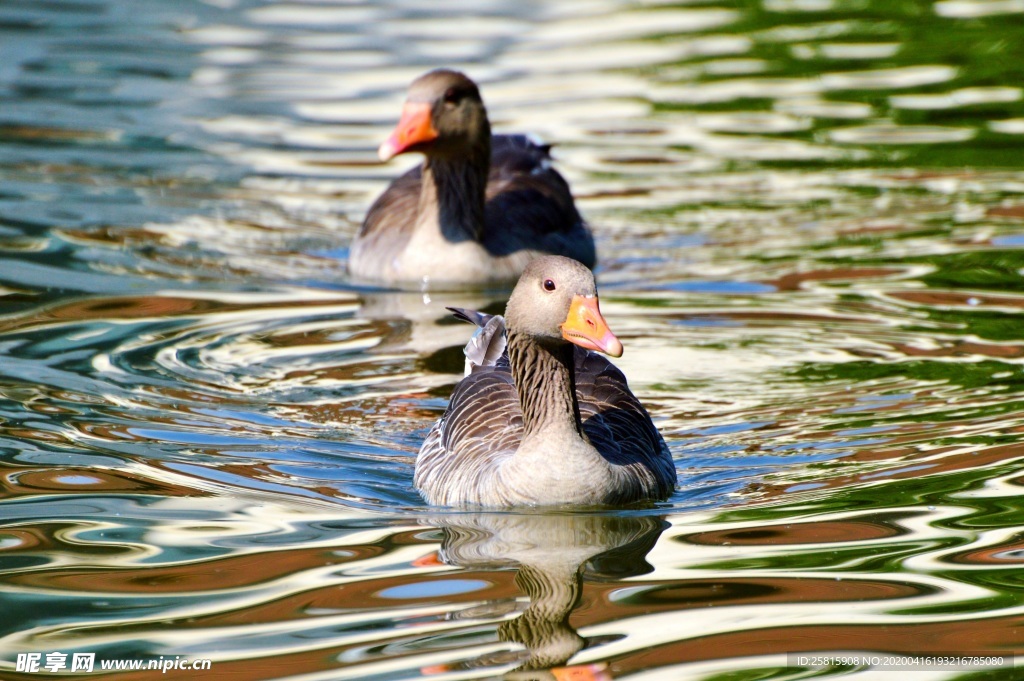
(472, 316)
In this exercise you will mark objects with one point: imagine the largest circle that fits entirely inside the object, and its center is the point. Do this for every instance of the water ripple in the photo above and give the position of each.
(809, 222)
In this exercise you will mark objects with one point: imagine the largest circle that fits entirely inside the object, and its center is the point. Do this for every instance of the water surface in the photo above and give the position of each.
(810, 219)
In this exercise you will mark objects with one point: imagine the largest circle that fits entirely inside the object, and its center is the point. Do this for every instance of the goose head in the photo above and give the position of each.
(443, 116)
(555, 302)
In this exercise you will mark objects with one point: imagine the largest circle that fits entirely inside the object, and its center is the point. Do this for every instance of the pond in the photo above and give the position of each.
(809, 217)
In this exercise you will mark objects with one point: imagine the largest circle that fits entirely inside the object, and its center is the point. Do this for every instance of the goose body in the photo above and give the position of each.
(477, 210)
(541, 419)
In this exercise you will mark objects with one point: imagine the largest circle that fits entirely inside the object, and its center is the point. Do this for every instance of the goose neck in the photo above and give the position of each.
(545, 381)
(455, 190)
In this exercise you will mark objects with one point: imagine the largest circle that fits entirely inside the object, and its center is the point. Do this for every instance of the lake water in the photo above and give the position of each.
(810, 221)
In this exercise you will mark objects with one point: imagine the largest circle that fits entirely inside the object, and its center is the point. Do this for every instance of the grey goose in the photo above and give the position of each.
(477, 210)
(541, 418)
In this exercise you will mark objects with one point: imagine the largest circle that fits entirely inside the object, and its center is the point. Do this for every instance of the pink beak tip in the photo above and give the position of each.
(612, 346)
(387, 150)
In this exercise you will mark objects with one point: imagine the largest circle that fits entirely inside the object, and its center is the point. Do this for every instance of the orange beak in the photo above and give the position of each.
(585, 327)
(414, 127)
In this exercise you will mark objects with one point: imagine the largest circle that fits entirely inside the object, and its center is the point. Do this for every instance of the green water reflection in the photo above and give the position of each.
(809, 215)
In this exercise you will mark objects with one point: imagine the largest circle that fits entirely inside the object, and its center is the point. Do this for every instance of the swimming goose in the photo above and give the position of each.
(540, 419)
(478, 209)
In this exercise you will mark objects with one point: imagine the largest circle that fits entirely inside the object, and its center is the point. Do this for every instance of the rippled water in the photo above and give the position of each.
(810, 216)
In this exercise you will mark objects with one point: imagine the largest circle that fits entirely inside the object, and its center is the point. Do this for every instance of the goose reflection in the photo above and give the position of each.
(555, 554)
(411, 321)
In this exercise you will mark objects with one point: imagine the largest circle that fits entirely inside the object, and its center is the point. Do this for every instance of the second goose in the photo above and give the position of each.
(478, 209)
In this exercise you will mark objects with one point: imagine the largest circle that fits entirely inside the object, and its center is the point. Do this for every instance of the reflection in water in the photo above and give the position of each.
(425, 325)
(269, 590)
(553, 555)
(809, 226)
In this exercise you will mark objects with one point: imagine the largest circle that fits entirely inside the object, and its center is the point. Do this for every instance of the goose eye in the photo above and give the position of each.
(451, 95)
(549, 285)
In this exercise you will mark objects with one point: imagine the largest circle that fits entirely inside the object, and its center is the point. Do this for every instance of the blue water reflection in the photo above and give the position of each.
(808, 216)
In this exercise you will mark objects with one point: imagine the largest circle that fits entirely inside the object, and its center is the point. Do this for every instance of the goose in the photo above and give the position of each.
(477, 210)
(541, 418)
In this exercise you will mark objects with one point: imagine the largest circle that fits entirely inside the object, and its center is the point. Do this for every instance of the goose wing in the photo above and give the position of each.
(619, 426)
(529, 206)
(529, 203)
(483, 423)
(388, 225)
(482, 426)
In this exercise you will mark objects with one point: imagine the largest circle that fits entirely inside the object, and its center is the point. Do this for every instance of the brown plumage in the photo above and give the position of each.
(479, 208)
(550, 422)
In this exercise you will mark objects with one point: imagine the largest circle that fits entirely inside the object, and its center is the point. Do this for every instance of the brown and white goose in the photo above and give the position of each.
(478, 209)
(540, 419)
